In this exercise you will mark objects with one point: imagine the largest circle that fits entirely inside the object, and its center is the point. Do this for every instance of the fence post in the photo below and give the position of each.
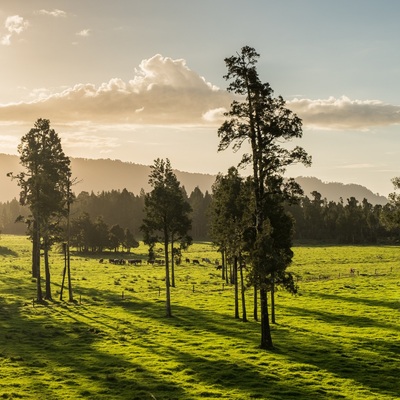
(193, 288)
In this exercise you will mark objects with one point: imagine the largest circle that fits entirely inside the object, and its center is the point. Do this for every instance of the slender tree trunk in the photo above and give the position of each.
(64, 270)
(167, 282)
(34, 251)
(273, 298)
(235, 281)
(222, 265)
(47, 271)
(36, 259)
(255, 303)
(266, 339)
(172, 263)
(70, 293)
(244, 313)
(225, 266)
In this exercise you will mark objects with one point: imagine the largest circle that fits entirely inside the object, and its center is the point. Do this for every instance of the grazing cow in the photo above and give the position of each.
(187, 261)
(135, 262)
(196, 262)
(219, 267)
(150, 262)
(117, 261)
(101, 261)
(206, 260)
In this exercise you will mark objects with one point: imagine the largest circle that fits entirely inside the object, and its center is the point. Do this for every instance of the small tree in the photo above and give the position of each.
(231, 217)
(44, 187)
(116, 237)
(129, 241)
(166, 215)
(390, 216)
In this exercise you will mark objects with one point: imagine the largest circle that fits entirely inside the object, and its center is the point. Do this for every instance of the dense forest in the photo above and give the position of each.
(316, 218)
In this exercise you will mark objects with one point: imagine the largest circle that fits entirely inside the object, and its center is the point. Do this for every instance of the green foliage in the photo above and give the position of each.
(263, 120)
(45, 188)
(166, 218)
(336, 339)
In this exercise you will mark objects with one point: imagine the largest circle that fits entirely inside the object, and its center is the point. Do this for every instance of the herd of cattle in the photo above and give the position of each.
(121, 261)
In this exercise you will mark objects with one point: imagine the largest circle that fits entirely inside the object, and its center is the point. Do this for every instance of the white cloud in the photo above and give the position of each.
(215, 115)
(14, 24)
(83, 139)
(344, 113)
(357, 166)
(8, 142)
(83, 33)
(6, 40)
(54, 13)
(162, 92)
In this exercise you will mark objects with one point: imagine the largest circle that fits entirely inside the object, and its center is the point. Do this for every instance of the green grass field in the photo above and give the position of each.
(339, 338)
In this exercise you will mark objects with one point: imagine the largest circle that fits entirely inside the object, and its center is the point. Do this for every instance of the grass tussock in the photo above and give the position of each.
(337, 339)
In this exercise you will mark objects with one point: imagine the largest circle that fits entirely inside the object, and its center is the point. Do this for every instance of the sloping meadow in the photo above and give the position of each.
(338, 338)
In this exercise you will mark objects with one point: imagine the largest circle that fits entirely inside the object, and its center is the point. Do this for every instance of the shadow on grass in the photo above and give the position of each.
(301, 347)
(62, 343)
(56, 359)
(371, 362)
(359, 300)
(342, 319)
(5, 251)
(216, 371)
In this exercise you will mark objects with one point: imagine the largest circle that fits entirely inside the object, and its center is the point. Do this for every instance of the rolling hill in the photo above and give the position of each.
(105, 174)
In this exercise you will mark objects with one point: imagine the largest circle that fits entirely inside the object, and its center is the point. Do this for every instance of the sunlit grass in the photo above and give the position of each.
(338, 338)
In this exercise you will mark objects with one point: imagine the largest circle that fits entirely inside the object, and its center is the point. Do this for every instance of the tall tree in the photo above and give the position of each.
(166, 215)
(264, 122)
(44, 187)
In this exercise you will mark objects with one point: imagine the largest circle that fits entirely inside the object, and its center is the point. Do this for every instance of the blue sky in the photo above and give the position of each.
(137, 80)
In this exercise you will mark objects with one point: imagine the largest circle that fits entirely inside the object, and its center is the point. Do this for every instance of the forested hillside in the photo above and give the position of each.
(101, 175)
(106, 175)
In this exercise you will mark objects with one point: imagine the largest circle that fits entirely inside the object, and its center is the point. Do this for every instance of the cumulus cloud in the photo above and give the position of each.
(54, 13)
(14, 24)
(162, 91)
(83, 33)
(344, 113)
(165, 91)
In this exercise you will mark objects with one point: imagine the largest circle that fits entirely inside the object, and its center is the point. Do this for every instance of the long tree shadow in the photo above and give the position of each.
(5, 251)
(358, 300)
(361, 362)
(342, 319)
(338, 360)
(43, 350)
(37, 340)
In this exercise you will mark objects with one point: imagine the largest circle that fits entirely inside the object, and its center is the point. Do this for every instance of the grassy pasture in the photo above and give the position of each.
(337, 339)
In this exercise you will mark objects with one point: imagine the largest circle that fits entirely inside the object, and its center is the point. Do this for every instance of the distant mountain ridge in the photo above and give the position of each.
(333, 191)
(105, 175)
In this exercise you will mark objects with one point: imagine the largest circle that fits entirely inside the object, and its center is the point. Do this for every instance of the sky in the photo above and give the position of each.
(139, 80)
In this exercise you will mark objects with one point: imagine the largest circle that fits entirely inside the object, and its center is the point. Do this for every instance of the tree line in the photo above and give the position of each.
(316, 219)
